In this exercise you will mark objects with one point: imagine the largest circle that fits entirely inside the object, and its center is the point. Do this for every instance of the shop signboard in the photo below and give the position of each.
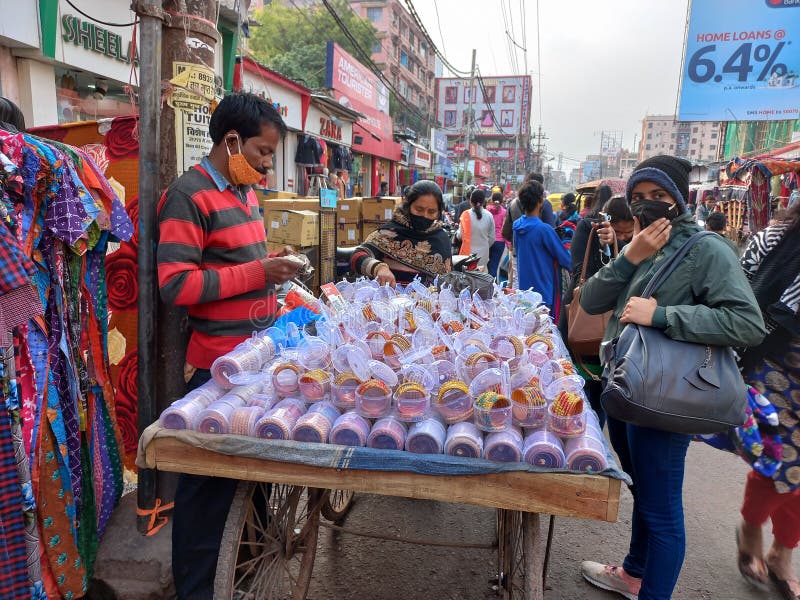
(23, 29)
(742, 61)
(358, 87)
(422, 158)
(192, 113)
(439, 139)
(502, 105)
(320, 124)
(260, 81)
(481, 168)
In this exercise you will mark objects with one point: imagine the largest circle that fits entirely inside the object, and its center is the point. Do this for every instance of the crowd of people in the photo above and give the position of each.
(720, 293)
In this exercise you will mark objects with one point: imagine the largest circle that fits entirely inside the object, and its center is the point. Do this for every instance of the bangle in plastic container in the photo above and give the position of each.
(315, 385)
(244, 419)
(412, 402)
(503, 446)
(350, 429)
(465, 440)
(453, 402)
(529, 408)
(387, 434)
(585, 453)
(492, 412)
(285, 378)
(426, 437)
(544, 449)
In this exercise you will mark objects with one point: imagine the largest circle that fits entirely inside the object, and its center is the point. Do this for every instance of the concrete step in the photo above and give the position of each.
(134, 566)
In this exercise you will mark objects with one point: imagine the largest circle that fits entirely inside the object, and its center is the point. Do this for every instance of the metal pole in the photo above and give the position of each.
(149, 189)
(469, 118)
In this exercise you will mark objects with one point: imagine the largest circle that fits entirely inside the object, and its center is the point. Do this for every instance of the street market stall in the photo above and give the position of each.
(421, 394)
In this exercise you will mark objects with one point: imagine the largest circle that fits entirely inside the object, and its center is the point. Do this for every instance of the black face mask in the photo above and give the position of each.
(649, 211)
(421, 223)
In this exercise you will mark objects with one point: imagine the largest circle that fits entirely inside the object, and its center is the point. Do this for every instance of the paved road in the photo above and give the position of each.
(354, 568)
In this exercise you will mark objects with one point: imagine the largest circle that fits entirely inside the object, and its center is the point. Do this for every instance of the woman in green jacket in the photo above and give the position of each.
(707, 300)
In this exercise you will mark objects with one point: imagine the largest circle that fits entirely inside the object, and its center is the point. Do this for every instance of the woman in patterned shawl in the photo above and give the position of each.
(413, 243)
(772, 263)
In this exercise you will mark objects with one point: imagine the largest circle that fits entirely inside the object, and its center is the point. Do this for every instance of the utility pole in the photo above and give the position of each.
(469, 116)
(166, 54)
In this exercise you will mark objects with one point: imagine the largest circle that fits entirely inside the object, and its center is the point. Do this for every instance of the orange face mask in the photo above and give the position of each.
(241, 172)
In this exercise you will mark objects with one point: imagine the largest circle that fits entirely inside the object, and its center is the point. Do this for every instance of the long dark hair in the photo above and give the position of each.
(477, 199)
(792, 217)
(11, 117)
(602, 195)
(618, 209)
(424, 187)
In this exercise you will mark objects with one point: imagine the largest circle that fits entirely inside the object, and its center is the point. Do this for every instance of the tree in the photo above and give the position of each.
(292, 39)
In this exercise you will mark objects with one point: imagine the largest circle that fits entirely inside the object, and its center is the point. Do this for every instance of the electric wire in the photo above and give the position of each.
(539, 60)
(100, 21)
(418, 21)
(439, 23)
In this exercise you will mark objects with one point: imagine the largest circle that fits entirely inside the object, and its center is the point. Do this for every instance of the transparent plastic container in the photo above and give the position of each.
(529, 408)
(566, 426)
(376, 340)
(277, 423)
(412, 403)
(387, 434)
(544, 449)
(503, 446)
(373, 399)
(464, 440)
(316, 424)
(244, 419)
(474, 364)
(492, 412)
(426, 437)
(350, 429)
(394, 349)
(490, 380)
(286, 378)
(343, 390)
(246, 357)
(453, 402)
(585, 454)
(315, 385)
(182, 414)
(314, 353)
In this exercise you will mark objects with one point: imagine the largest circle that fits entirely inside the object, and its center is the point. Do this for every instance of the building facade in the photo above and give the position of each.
(499, 124)
(402, 53)
(696, 141)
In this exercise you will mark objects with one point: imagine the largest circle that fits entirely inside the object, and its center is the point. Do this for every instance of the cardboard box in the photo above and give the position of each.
(274, 194)
(295, 227)
(349, 210)
(368, 227)
(379, 209)
(348, 234)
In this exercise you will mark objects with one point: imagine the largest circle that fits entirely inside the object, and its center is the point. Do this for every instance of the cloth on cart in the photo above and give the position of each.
(346, 457)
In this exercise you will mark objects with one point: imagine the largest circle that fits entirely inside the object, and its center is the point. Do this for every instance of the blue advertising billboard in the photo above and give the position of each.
(742, 61)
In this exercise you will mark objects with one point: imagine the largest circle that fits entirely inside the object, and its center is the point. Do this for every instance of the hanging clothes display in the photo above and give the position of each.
(60, 445)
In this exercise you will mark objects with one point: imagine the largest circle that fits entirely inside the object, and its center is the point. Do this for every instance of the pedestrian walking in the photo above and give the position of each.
(706, 300)
(476, 230)
(539, 251)
(499, 245)
(772, 263)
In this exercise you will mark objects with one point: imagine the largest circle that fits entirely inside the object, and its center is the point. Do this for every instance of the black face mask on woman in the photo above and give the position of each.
(421, 223)
(649, 211)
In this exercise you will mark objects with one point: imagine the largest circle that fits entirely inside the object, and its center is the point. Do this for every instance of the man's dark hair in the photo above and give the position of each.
(618, 209)
(530, 195)
(534, 177)
(245, 114)
(497, 197)
(384, 184)
(11, 116)
(716, 221)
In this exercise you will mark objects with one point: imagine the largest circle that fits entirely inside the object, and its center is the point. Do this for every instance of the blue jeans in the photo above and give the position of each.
(495, 254)
(655, 460)
(201, 509)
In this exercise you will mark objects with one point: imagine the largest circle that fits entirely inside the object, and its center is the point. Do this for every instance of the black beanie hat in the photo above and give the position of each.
(670, 172)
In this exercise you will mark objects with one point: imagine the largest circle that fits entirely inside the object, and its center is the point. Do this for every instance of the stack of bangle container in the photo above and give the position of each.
(425, 371)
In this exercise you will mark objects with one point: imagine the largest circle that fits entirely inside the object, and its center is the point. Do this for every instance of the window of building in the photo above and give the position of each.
(694, 129)
(672, 136)
(649, 125)
(376, 47)
(423, 49)
(647, 147)
(713, 136)
(411, 39)
(404, 58)
(694, 140)
(672, 146)
(403, 87)
(712, 147)
(375, 14)
(649, 136)
(693, 152)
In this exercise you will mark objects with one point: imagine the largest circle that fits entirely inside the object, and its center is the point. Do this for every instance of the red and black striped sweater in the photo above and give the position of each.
(210, 251)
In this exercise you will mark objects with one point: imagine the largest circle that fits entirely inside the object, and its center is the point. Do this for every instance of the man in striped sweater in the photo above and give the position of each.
(212, 259)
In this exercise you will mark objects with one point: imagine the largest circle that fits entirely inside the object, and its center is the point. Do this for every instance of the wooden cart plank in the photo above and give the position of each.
(570, 495)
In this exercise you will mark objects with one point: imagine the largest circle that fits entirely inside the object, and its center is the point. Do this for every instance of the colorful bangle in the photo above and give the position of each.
(368, 313)
(529, 396)
(453, 327)
(450, 386)
(348, 377)
(475, 359)
(410, 391)
(425, 305)
(567, 368)
(567, 404)
(535, 337)
(412, 323)
(519, 348)
(315, 384)
(397, 340)
(286, 387)
(373, 385)
(439, 350)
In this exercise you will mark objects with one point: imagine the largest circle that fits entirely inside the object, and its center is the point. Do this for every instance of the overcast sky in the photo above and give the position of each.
(604, 63)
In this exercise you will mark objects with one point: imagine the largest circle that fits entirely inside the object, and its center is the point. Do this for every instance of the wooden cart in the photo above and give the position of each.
(270, 537)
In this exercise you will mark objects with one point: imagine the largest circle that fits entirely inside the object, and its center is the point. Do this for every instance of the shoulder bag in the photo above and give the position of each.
(661, 383)
(585, 331)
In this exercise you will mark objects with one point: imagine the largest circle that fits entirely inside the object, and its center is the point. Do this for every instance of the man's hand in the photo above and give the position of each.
(639, 311)
(646, 242)
(384, 275)
(606, 233)
(287, 251)
(280, 269)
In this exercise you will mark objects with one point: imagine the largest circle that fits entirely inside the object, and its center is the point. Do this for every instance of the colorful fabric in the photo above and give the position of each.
(758, 442)
(210, 252)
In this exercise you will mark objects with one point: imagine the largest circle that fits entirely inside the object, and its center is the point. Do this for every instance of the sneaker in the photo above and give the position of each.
(611, 578)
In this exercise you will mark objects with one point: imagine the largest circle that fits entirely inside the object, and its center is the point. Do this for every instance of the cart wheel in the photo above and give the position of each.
(269, 543)
(517, 556)
(337, 504)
